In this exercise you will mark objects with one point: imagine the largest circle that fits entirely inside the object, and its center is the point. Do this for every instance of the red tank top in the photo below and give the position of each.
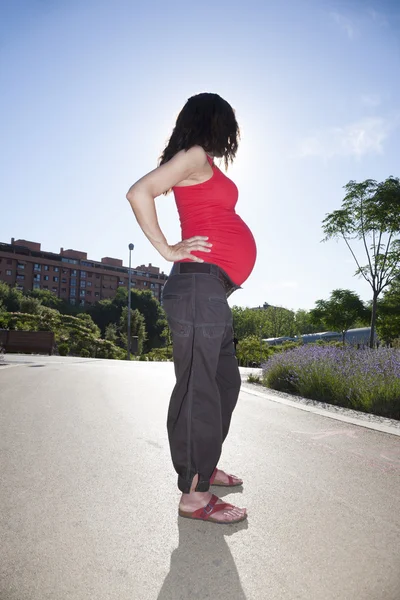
(208, 209)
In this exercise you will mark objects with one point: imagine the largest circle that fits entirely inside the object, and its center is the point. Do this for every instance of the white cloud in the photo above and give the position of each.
(366, 136)
(377, 17)
(344, 23)
(371, 100)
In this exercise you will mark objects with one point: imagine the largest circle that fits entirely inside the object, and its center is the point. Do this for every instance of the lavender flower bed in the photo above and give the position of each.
(366, 380)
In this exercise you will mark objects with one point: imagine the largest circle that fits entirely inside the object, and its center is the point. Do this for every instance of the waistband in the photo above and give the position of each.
(182, 268)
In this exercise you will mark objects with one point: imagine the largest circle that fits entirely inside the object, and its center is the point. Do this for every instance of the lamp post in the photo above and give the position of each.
(261, 343)
(131, 247)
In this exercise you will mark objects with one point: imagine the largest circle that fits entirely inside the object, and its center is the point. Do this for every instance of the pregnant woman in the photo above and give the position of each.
(216, 255)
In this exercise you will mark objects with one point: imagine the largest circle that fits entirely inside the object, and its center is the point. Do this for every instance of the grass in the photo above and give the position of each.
(254, 378)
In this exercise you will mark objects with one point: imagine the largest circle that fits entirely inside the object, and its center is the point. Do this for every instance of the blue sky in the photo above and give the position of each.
(90, 91)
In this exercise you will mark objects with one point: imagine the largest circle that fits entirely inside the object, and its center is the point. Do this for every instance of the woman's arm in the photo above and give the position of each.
(142, 194)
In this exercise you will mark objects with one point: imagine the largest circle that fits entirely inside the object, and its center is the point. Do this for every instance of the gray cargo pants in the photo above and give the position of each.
(207, 373)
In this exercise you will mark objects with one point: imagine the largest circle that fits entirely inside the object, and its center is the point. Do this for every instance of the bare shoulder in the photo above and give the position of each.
(195, 157)
(185, 166)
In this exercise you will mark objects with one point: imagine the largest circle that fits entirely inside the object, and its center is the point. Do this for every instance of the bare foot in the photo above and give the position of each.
(191, 502)
(223, 478)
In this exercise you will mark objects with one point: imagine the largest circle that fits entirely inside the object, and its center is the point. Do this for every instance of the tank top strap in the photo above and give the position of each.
(210, 159)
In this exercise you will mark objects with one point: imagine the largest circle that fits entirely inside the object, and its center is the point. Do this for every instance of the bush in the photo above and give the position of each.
(30, 305)
(254, 378)
(366, 380)
(160, 354)
(84, 353)
(63, 349)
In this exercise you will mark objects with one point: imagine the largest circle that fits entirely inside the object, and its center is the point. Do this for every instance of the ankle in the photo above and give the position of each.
(195, 498)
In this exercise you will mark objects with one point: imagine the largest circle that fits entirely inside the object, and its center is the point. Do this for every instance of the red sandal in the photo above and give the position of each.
(205, 514)
(221, 483)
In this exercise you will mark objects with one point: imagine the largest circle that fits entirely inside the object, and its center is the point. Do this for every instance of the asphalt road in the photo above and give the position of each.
(89, 503)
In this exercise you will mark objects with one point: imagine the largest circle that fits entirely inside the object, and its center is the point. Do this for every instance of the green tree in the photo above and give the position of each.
(30, 305)
(370, 214)
(271, 321)
(111, 333)
(105, 312)
(304, 324)
(46, 298)
(154, 317)
(10, 297)
(340, 312)
(138, 328)
(250, 351)
(110, 311)
(388, 324)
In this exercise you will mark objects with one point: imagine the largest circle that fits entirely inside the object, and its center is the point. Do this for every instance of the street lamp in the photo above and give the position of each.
(131, 247)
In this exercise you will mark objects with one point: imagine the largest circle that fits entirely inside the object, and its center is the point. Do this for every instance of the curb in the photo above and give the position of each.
(324, 413)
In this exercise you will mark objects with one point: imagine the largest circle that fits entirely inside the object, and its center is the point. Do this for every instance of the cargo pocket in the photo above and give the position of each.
(213, 331)
(178, 328)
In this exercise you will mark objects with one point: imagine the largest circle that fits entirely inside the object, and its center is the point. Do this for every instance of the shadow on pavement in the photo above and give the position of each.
(202, 566)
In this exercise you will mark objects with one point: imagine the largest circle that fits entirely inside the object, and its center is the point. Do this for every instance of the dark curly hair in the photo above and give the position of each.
(206, 120)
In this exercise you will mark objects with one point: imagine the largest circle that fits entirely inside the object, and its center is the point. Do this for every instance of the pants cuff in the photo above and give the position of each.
(184, 485)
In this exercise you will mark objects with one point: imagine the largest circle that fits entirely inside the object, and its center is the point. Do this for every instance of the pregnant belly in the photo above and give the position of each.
(234, 248)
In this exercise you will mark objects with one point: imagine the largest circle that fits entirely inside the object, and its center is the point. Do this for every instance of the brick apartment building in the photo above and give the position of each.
(71, 275)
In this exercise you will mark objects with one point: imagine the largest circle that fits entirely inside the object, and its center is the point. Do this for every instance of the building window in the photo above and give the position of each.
(88, 293)
(71, 261)
(83, 292)
(133, 283)
(20, 266)
(97, 276)
(55, 279)
(65, 271)
(36, 277)
(89, 284)
(82, 302)
(152, 286)
(73, 282)
(83, 274)
(56, 269)
(72, 292)
(36, 286)
(83, 284)
(37, 267)
(64, 280)
(46, 267)
(63, 290)
(45, 287)
(72, 301)
(54, 289)
(97, 294)
(20, 288)
(145, 283)
(21, 277)
(46, 277)
(73, 273)
(8, 272)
